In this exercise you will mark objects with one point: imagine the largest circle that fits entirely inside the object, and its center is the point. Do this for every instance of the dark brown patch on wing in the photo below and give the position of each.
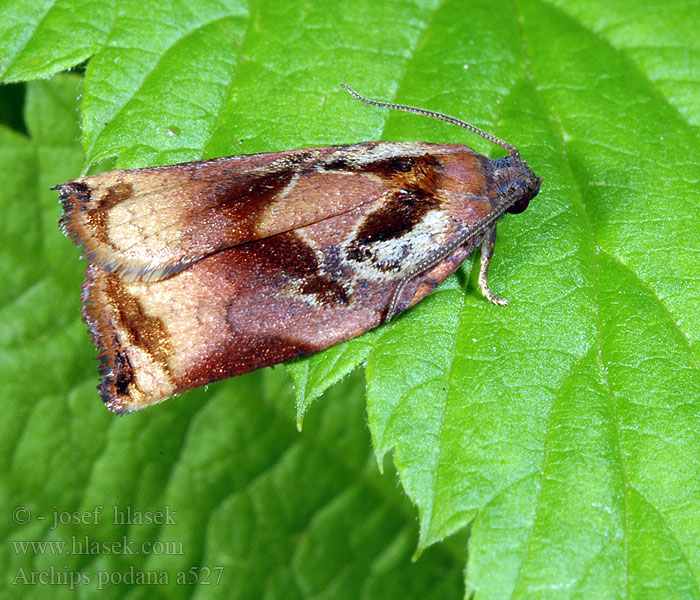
(96, 218)
(115, 368)
(417, 193)
(339, 164)
(116, 194)
(384, 167)
(116, 383)
(249, 352)
(391, 166)
(397, 216)
(144, 331)
(97, 215)
(249, 193)
(387, 167)
(236, 202)
(287, 255)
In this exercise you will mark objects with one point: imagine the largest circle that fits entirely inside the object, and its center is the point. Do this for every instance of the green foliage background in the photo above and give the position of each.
(550, 447)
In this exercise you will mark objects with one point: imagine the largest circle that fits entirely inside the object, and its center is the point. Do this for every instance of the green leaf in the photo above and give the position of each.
(561, 431)
(39, 38)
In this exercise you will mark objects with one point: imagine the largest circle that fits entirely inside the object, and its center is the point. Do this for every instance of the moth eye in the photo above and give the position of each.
(519, 206)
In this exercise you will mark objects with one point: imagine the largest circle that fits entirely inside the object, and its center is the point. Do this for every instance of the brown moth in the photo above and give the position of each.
(205, 270)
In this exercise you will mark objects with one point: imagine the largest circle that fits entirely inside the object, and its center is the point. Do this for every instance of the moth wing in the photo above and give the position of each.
(284, 296)
(147, 224)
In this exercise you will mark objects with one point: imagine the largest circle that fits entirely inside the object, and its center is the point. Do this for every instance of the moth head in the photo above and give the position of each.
(515, 181)
(523, 187)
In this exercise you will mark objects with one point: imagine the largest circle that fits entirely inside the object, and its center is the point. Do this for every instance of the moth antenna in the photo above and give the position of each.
(436, 115)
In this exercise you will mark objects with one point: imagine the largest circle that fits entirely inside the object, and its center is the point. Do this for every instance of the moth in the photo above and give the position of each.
(204, 270)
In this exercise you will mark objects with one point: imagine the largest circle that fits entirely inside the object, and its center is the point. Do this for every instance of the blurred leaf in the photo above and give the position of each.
(11, 104)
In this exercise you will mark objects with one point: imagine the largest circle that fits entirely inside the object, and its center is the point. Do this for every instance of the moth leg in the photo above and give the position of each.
(486, 250)
(391, 311)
